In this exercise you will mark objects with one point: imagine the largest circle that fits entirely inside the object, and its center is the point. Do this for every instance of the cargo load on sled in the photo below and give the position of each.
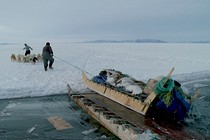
(160, 95)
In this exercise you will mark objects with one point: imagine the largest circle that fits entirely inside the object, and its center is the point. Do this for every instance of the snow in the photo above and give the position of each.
(141, 61)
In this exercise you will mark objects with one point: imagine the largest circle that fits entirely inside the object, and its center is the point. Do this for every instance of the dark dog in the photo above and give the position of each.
(34, 60)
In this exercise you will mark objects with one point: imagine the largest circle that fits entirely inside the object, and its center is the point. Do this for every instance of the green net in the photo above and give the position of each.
(163, 90)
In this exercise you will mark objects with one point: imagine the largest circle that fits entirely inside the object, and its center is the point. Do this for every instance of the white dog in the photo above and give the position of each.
(39, 57)
(130, 85)
(116, 78)
(13, 57)
(18, 58)
(28, 57)
(22, 58)
(112, 77)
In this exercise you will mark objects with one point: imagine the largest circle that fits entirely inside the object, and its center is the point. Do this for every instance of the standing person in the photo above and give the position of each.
(47, 55)
(27, 49)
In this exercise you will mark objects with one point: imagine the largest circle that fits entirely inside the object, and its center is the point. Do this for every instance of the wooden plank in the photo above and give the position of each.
(168, 76)
(128, 124)
(59, 123)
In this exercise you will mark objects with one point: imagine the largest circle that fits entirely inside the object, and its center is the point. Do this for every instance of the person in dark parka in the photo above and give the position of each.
(47, 55)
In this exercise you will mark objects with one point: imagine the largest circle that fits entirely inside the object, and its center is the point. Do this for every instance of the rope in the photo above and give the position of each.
(72, 65)
(164, 93)
(160, 86)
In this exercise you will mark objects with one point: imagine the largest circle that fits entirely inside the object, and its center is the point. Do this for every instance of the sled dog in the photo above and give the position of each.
(13, 57)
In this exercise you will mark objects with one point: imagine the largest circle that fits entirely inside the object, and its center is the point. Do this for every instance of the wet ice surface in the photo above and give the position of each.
(26, 118)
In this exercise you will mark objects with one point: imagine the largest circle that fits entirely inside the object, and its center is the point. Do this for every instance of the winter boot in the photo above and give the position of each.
(50, 65)
(45, 68)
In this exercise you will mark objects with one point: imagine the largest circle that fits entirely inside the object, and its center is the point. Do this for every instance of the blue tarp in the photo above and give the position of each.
(179, 106)
(99, 79)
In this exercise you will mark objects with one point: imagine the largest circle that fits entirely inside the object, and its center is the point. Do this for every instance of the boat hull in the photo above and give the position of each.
(119, 97)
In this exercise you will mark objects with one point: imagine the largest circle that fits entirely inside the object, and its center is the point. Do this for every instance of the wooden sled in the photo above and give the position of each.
(119, 97)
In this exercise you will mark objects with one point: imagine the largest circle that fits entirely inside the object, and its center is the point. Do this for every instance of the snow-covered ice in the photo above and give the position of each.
(141, 61)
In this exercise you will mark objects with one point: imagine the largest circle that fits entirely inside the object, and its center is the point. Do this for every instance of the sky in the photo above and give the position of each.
(73, 20)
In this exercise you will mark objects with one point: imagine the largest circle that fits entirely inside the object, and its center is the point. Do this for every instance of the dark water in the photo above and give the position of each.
(18, 116)
(201, 107)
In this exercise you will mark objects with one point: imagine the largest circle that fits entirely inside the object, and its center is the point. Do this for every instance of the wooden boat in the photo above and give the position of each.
(171, 104)
(119, 97)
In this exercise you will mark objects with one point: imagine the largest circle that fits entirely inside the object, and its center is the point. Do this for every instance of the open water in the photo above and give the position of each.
(201, 111)
(26, 118)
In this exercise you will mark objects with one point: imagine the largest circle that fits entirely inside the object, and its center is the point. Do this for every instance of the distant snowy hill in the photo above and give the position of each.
(127, 41)
(4, 43)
